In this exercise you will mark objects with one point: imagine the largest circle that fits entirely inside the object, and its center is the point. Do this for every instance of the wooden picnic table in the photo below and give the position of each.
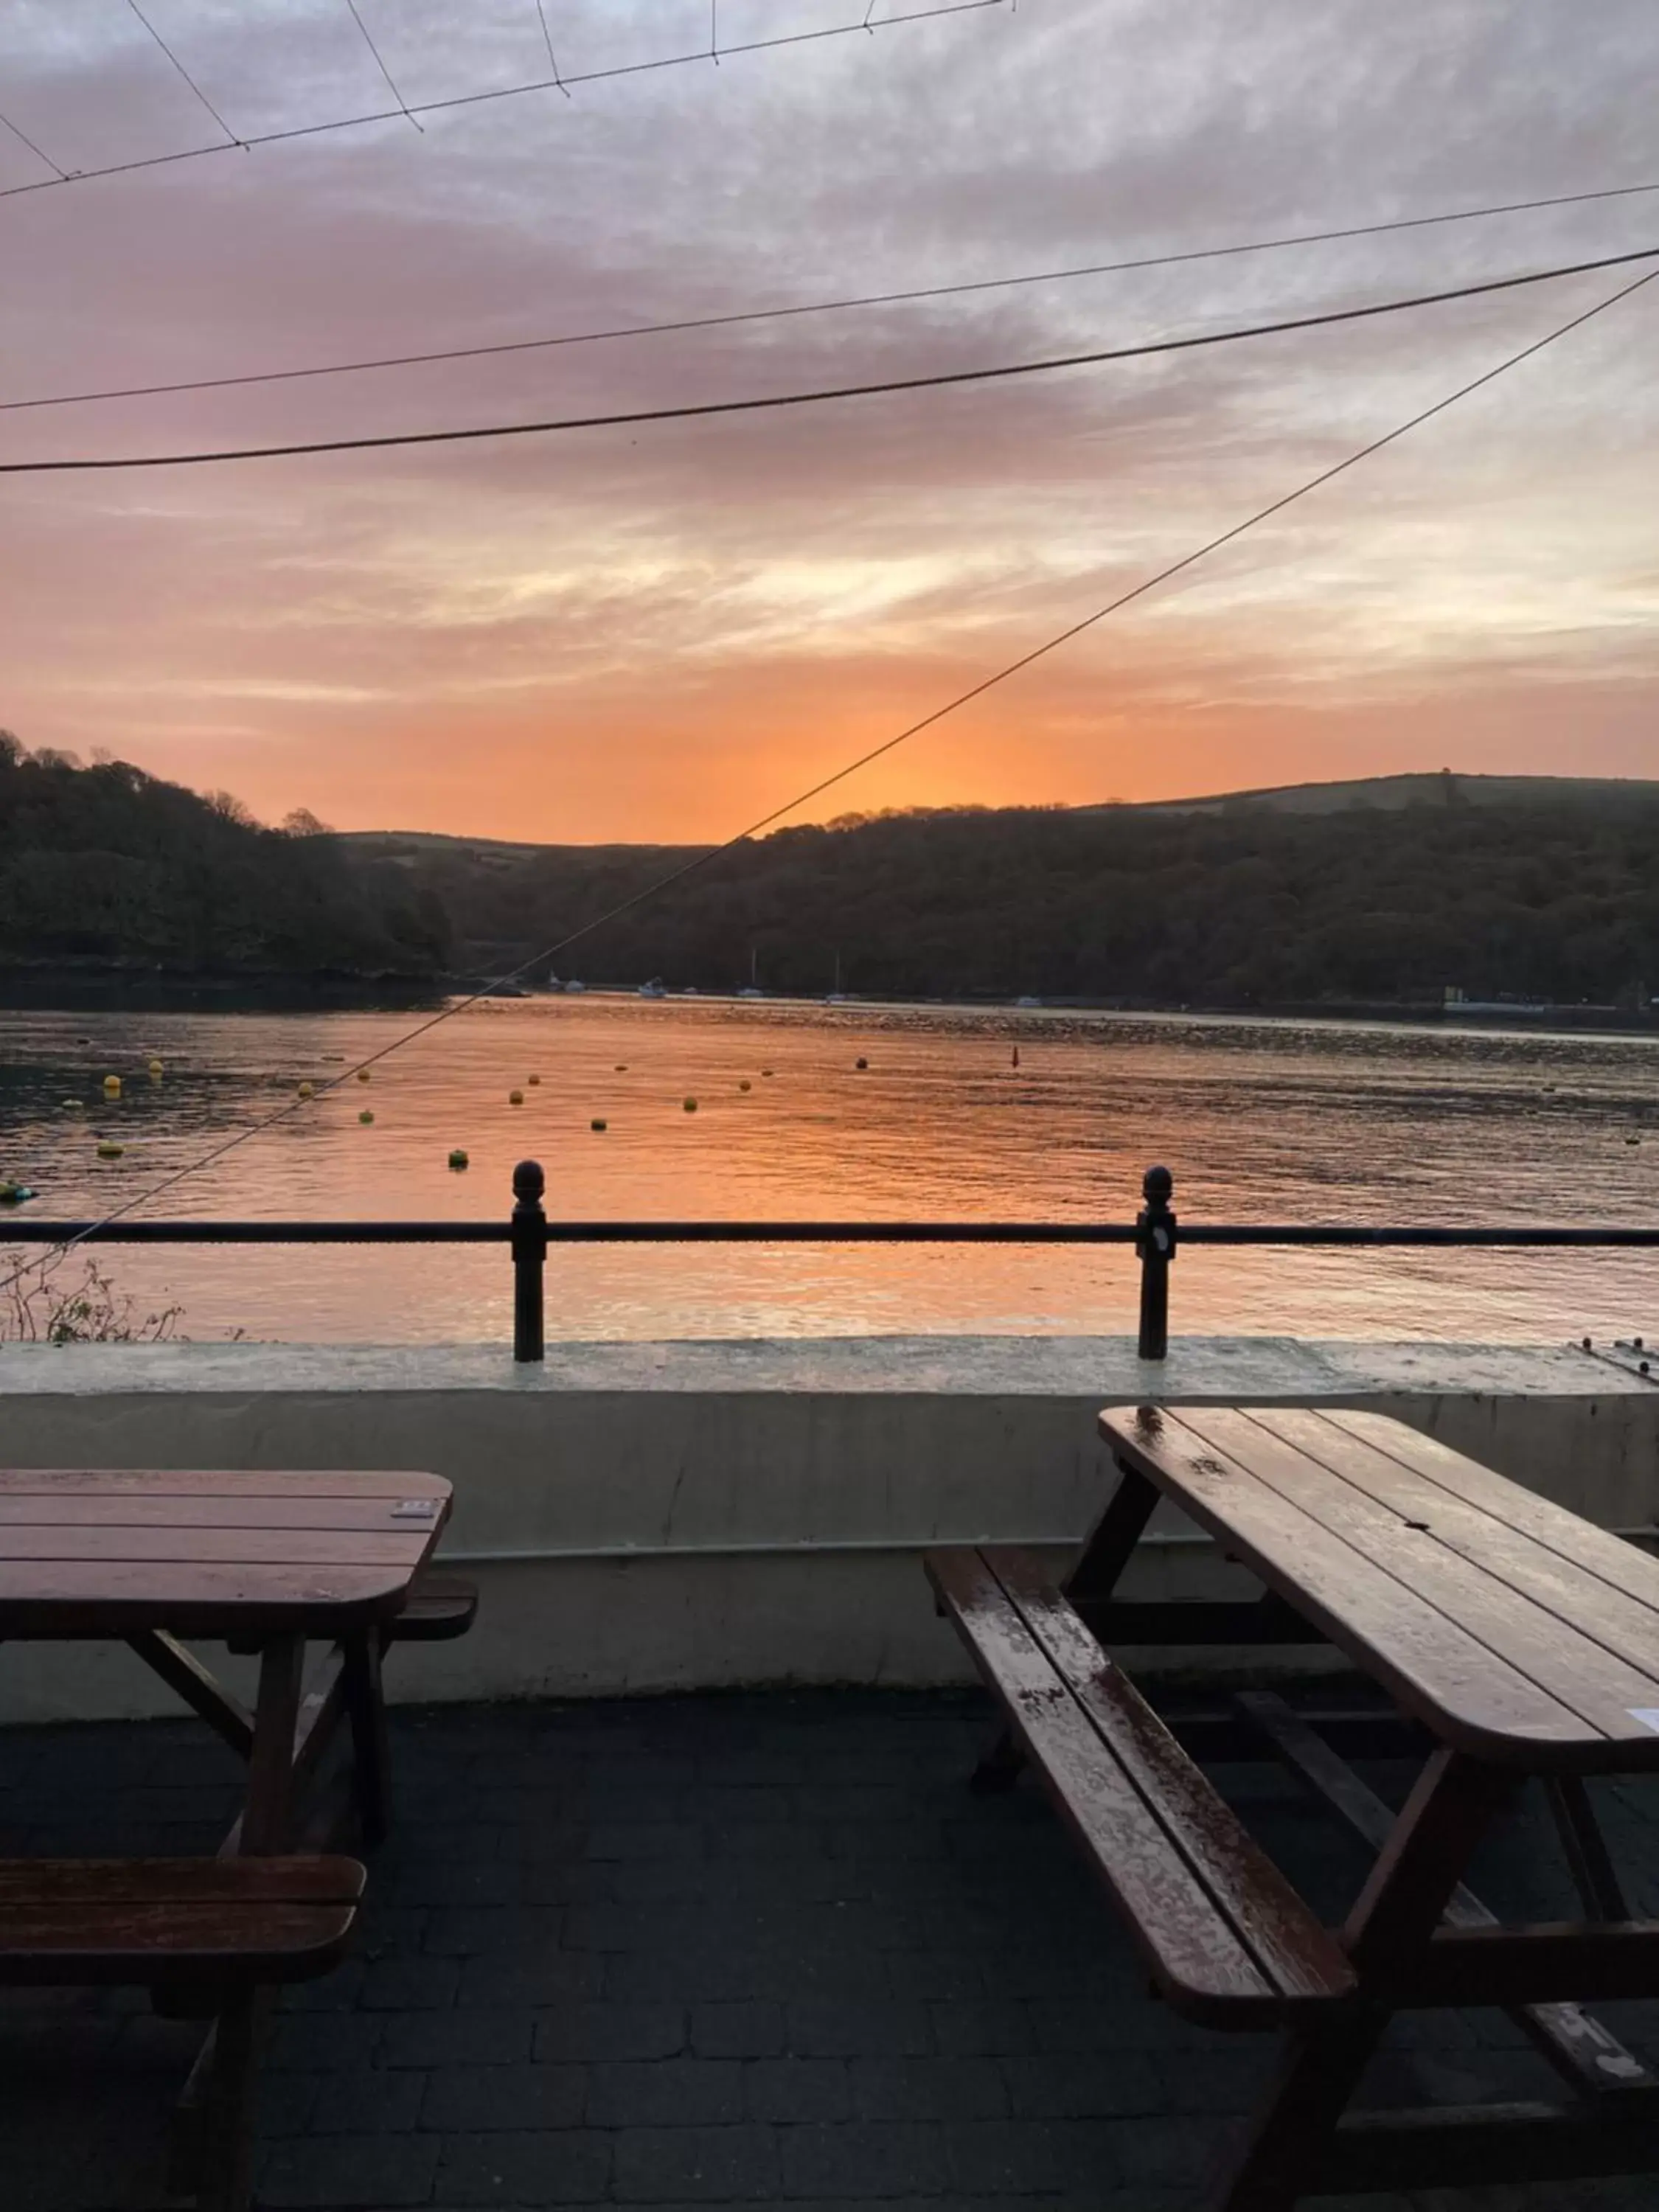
(1521, 1641)
(263, 1563)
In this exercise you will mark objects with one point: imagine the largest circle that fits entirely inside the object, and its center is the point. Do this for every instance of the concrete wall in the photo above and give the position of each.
(655, 1516)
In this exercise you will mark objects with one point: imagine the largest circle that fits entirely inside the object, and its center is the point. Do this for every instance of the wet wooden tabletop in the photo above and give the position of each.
(1512, 1628)
(87, 1552)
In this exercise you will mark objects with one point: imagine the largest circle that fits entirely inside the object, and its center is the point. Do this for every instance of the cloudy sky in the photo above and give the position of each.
(661, 632)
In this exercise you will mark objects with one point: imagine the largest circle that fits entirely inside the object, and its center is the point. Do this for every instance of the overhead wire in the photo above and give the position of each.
(916, 293)
(552, 58)
(39, 153)
(936, 381)
(201, 96)
(556, 83)
(709, 854)
(380, 61)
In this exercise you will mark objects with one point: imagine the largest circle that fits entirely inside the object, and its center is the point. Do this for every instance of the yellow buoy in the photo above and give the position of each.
(744, 1084)
(156, 1069)
(765, 1071)
(362, 1075)
(597, 1124)
(515, 1098)
(365, 1117)
(307, 1091)
(860, 1063)
(458, 1159)
(535, 1078)
(690, 1105)
(622, 1067)
(109, 1150)
(111, 1086)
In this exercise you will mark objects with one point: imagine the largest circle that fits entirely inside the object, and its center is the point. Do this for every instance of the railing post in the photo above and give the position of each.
(529, 1257)
(1155, 1245)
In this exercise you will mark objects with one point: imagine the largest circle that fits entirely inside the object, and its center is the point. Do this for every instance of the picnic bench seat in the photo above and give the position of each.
(439, 1608)
(209, 1932)
(1227, 1940)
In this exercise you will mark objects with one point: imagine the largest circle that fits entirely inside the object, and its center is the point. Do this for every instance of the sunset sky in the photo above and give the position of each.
(661, 632)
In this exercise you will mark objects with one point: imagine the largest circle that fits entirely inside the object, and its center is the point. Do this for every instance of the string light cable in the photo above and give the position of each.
(40, 154)
(230, 136)
(709, 854)
(689, 323)
(380, 64)
(938, 381)
(556, 83)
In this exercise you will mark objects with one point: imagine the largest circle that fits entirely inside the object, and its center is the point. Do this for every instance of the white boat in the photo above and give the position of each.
(656, 988)
(1028, 1002)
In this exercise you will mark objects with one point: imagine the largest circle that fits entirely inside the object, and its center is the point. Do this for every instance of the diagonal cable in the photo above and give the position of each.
(713, 853)
(938, 381)
(40, 154)
(183, 72)
(380, 61)
(552, 58)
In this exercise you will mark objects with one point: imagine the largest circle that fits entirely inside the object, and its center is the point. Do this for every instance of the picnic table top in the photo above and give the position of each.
(1511, 1627)
(98, 1553)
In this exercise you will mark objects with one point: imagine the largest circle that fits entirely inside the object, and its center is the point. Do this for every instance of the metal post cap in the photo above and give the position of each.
(528, 1181)
(1158, 1186)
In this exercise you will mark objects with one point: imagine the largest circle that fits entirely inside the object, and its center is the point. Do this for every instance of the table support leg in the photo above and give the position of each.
(268, 1814)
(226, 2168)
(1587, 2055)
(1450, 1808)
(1396, 1912)
(370, 1746)
(1594, 1877)
(1318, 2071)
(185, 1674)
(1108, 1552)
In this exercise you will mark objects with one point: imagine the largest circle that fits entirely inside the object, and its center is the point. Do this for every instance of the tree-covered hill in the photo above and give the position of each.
(108, 866)
(1544, 894)
(1227, 907)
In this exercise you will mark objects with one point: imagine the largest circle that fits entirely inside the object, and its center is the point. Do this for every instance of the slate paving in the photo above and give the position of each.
(717, 1950)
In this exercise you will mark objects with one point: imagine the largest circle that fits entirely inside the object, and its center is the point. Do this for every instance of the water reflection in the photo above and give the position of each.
(1259, 1120)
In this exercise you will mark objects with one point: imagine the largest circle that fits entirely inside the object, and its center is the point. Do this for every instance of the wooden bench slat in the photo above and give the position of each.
(53, 1945)
(175, 1543)
(440, 1607)
(88, 1921)
(1196, 1956)
(330, 1881)
(1298, 1955)
(253, 1482)
(1518, 1631)
(1591, 1550)
(1429, 1663)
(1567, 1593)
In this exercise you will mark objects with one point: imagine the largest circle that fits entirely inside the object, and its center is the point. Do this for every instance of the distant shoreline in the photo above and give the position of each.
(117, 989)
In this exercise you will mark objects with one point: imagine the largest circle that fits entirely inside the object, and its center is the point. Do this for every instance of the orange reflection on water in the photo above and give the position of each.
(1258, 1121)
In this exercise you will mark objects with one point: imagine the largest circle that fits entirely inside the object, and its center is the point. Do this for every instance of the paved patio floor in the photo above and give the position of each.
(713, 1951)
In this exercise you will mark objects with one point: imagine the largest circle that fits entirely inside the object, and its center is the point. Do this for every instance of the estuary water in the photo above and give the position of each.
(958, 1114)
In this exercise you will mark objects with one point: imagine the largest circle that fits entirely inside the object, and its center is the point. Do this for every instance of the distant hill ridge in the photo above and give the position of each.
(1391, 794)
(1405, 889)
(1373, 794)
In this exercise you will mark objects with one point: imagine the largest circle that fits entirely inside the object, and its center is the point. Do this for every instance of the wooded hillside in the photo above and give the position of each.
(107, 864)
(1223, 908)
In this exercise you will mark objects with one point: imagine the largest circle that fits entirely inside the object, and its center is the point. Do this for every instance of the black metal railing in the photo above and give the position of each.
(1155, 1233)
